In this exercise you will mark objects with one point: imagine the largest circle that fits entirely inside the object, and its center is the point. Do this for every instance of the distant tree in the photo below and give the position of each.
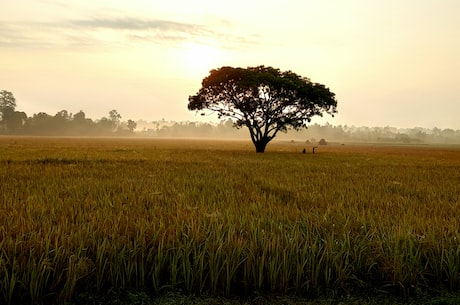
(80, 116)
(7, 108)
(62, 121)
(322, 142)
(41, 123)
(131, 125)
(105, 126)
(13, 121)
(263, 99)
(63, 115)
(18, 121)
(114, 116)
(7, 100)
(80, 119)
(402, 137)
(80, 125)
(109, 125)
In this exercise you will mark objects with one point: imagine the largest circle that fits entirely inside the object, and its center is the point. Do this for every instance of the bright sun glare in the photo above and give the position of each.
(200, 58)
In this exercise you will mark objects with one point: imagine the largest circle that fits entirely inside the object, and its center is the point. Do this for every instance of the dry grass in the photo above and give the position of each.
(213, 217)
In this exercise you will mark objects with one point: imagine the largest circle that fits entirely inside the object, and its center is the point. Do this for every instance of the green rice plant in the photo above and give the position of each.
(404, 264)
(37, 277)
(78, 268)
(185, 257)
(101, 263)
(450, 261)
(174, 269)
(156, 264)
(8, 275)
(234, 259)
(215, 257)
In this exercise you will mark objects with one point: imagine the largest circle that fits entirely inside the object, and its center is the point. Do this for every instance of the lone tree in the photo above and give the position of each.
(263, 99)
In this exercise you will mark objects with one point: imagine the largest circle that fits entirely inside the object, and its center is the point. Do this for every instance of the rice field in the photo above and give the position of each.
(210, 217)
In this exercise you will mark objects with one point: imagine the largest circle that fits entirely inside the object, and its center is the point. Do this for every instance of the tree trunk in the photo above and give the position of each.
(260, 145)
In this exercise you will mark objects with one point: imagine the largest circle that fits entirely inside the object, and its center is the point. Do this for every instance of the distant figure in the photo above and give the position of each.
(304, 151)
(314, 147)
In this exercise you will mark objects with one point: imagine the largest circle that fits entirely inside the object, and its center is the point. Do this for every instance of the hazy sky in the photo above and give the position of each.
(390, 63)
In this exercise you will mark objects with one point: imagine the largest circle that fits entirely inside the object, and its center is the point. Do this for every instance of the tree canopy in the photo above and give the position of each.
(8, 116)
(63, 123)
(264, 99)
(7, 100)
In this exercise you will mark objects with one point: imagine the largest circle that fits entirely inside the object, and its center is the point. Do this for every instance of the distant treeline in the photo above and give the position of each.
(64, 123)
(313, 134)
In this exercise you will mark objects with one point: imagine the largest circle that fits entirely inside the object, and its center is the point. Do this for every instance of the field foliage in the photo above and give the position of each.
(215, 218)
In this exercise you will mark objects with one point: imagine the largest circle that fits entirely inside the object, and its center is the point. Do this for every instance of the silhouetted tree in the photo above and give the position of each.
(82, 125)
(7, 100)
(131, 125)
(402, 137)
(62, 122)
(7, 108)
(63, 115)
(41, 123)
(109, 125)
(114, 116)
(263, 99)
(79, 117)
(18, 121)
(105, 126)
(13, 121)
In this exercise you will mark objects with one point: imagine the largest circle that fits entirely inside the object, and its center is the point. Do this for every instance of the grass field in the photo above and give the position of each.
(88, 216)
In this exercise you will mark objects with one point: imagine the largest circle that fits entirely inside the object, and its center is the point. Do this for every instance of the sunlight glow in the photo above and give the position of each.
(198, 59)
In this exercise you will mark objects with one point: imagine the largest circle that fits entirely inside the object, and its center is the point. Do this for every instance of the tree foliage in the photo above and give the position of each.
(9, 118)
(264, 99)
(7, 100)
(62, 123)
(131, 125)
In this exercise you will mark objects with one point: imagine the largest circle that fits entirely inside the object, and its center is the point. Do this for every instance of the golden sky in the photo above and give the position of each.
(390, 63)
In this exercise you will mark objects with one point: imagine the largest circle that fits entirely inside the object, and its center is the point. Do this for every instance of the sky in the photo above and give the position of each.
(390, 63)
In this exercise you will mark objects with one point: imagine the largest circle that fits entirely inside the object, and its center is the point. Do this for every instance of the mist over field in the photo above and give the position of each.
(65, 124)
(315, 132)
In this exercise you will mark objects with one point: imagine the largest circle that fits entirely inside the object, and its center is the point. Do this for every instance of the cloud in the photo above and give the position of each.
(134, 24)
(94, 32)
(23, 35)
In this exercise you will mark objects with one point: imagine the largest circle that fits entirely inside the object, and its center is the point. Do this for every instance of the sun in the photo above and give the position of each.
(199, 58)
